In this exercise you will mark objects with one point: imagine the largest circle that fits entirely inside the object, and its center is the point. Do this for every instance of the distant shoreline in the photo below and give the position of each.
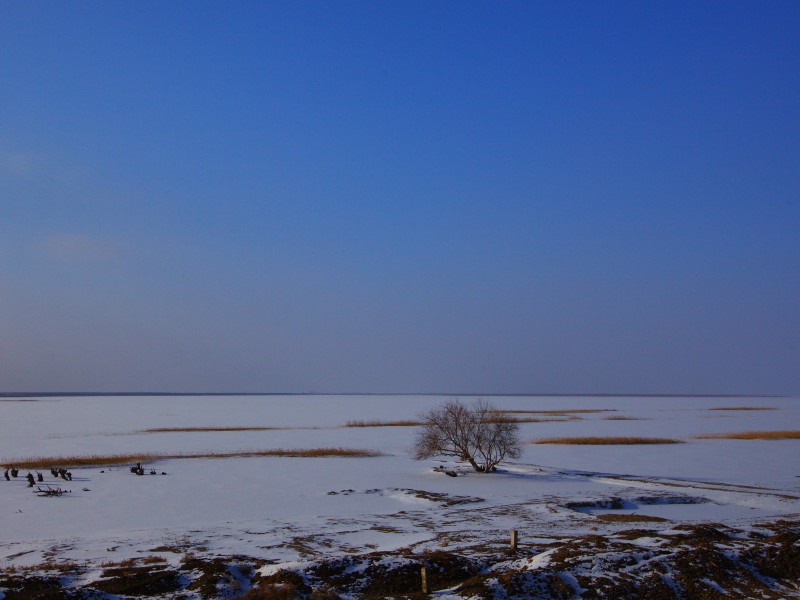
(463, 394)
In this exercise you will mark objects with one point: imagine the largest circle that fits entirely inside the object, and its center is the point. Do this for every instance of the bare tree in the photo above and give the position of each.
(477, 435)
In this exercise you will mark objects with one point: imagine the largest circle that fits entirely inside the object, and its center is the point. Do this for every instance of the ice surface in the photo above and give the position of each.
(282, 508)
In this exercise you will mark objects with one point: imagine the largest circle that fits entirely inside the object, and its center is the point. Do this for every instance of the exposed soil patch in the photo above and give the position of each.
(616, 503)
(220, 577)
(628, 518)
(380, 575)
(139, 581)
(440, 498)
(30, 587)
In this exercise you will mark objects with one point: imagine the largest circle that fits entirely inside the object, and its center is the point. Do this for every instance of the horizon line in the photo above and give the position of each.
(468, 394)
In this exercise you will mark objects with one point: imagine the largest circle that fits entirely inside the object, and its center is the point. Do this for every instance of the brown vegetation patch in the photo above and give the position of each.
(273, 586)
(577, 411)
(293, 453)
(636, 534)
(138, 581)
(206, 429)
(743, 408)
(32, 587)
(622, 419)
(779, 556)
(512, 419)
(378, 423)
(219, 577)
(753, 435)
(382, 575)
(95, 460)
(689, 561)
(90, 460)
(603, 441)
(629, 518)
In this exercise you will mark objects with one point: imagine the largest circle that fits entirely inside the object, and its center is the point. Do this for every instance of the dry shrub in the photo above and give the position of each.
(605, 441)
(753, 435)
(469, 433)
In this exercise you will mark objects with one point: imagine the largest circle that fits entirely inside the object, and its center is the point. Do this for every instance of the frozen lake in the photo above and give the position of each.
(286, 508)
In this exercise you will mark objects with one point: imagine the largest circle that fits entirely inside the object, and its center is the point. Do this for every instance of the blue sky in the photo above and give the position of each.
(400, 196)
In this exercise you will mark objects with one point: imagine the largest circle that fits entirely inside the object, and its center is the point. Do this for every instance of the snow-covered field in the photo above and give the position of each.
(288, 509)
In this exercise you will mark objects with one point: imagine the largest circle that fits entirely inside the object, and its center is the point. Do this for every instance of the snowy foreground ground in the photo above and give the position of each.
(218, 526)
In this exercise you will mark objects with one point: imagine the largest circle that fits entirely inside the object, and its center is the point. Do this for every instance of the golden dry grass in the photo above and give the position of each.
(378, 423)
(752, 435)
(500, 418)
(49, 566)
(605, 441)
(557, 413)
(205, 429)
(743, 408)
(97, 460)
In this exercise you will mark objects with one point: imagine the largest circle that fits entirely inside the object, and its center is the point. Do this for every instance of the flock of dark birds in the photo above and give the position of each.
(13, 472)
(61, 472)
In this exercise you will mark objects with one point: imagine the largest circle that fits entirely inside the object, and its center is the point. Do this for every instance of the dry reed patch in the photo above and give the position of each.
(379, 423)
(620, 418)
(744, 408)
(98, 460)
(605, 441)
(91, 460)
(499, 418)
(290, 453)
(206, 429)
(557, 413)
(752, 435)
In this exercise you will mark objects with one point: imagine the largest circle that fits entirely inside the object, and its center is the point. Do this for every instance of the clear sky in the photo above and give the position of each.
(400, 196)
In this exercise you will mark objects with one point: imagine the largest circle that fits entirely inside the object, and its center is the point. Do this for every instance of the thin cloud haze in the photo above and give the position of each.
(73, 248)
(407, 197)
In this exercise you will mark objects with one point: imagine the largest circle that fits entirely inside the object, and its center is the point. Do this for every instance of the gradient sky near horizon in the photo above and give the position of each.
(451, 197)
